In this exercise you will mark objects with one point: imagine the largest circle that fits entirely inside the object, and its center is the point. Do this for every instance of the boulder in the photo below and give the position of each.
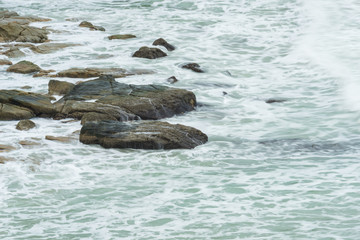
(29, 103)
(150, 53)
(193, 66)
(145, 101)
(81, 110)
(92, 72)
(172, 79)
(59, 87)
(96, 117)
(51, 47)
(141, 135)
(13, 112)
(121, 36)
(5, 62)
(24, 125)
(14, 52)
(21, 33)
(164, 43)
(24, 67)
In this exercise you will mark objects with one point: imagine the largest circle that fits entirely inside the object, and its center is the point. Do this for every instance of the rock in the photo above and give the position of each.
(14, 52)
(193, 66)
(91, 26)
(59, 139)
(7, 14)
(172, 80)
(121, 36)
(60, 87)
(146, 101)
(31, 18)
(141, 135)
(51, 47)
(72, 19)
(24, 67)
(150, 53)
(92, 72)
(21, 33)
(13, 112)
(5, 62)
(96, 117)
(273, 100)
(81, 110)
(6, 148)
(43, 73)
(28, 143)
(4, 159)
(162, 42)
(26, 87)
(24, 125)
(28, 103)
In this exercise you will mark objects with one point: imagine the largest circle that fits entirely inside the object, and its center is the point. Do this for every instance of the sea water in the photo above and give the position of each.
(286, 170)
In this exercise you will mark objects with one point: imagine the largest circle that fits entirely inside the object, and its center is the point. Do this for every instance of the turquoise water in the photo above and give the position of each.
(285, 170)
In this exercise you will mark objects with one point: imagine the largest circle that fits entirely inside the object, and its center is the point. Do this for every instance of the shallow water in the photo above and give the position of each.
(285, 170)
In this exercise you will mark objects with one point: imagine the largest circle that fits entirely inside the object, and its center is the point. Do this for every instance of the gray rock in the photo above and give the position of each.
(193, 66)
(59, 87)
(14, 52)
(24, 125)
(21, 33)
(24, 67)
(141, 135)
(164, 43)
(150, 53)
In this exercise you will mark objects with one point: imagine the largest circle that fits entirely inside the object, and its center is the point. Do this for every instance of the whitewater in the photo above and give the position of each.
(281, 170)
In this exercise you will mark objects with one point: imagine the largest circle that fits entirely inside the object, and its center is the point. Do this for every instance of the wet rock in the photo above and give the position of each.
(24, 67)
(26, 102)
(19, 45)
(14, 112)
(51, 47)
(96, 117)
(89, 25)
(5, 62)
(141, 135)
(43, 73)
(24, 125)
(14, 52)
(26, 87)
(150, 53)
(146, 101)
(92, 72)
(59, 138)
(193, 66)
(4, 160)
(21, 33)
(121, 36)
(72, 19)
(8, 14)
(28, 143)
(6, 148)
(81, 110)
(59, 87)
(274, 100)
(172, 80)
(162, 42)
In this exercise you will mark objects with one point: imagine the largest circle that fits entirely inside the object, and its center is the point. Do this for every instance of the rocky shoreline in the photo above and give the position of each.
(113, 114)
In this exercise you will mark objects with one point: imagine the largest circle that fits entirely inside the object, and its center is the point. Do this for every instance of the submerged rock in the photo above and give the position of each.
(59, 138)
(21, 33)
(24, 67)
(51, 47)
(275, 100)
(5, 62)
(6, 148)
(142, 135)
(193, 66)
(172, 80)
(8, 14)
(91, 26)
(121, 36)
(150, 53)
(14, 52)
(162, 42)
(59, 87)
(92, 72)
(24, 125)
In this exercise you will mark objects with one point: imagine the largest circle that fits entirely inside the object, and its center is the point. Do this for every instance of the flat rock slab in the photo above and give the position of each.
(121, 36)
(149, 102)
(51, 47)
(92, 72)
(142, 135)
